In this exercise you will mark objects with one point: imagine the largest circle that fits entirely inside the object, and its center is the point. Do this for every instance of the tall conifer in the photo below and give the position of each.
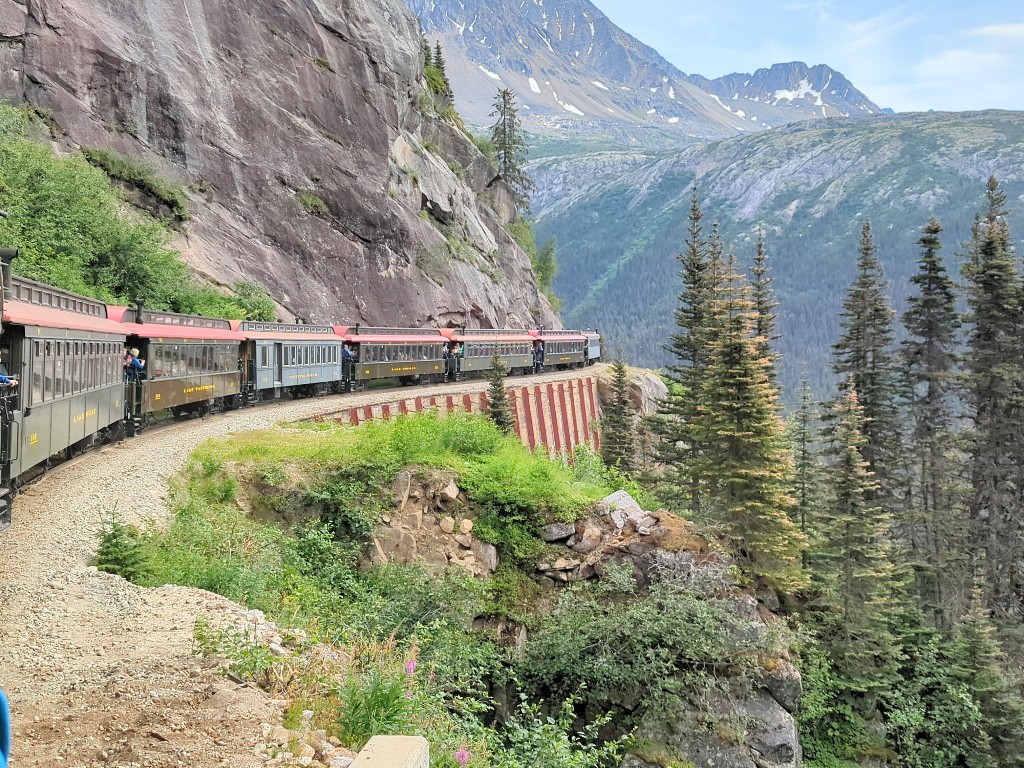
(930, 356)
(854, 562)
(510, 148)
(618, 440)
(677, 414)
(807, 490)
(763, 296)
(744, 459)
(864, 358)
(995, 391)
(499, 407)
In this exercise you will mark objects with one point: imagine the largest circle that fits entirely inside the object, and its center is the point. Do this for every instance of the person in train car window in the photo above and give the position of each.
(135, 367)
(8, 381)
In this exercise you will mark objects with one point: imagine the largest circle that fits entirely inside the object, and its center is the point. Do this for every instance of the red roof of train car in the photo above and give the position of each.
(23, 313)
(496, 338)
(393, 336)
(557, 336)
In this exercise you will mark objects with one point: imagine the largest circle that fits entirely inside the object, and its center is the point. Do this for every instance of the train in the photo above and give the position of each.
(68, 354)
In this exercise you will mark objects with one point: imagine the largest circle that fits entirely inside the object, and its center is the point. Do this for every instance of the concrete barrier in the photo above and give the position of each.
(394, 752)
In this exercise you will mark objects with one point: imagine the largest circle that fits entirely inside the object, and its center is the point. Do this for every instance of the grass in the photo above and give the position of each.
(379, 618)
(142, 177)
(313, 204)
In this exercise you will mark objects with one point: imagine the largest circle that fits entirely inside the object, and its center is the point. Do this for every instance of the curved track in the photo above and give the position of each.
(100, 672)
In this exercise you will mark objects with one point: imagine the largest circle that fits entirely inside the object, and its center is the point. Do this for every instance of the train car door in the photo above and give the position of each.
(278, 364)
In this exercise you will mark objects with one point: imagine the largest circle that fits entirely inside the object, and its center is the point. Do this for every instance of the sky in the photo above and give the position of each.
(944, 55)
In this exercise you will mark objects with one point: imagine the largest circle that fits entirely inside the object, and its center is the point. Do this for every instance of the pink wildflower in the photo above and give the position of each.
(410, 667)
(462, 757)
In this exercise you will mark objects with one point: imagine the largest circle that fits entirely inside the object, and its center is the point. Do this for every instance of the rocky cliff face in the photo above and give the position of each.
(266, 109)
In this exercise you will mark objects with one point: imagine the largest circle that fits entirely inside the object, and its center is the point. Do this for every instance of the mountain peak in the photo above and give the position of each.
(570, 66)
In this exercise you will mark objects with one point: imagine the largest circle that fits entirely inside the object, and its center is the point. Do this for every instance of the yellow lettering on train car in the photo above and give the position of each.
(33, 438)
(403, 368)
(201, 388)
(157, 396)
(366, 372)
(84, 416)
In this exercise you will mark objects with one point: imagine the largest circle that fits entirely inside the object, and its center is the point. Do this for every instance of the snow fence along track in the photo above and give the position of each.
(101, 672)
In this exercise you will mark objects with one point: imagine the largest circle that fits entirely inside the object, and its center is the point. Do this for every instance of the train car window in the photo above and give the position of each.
(37, 372)
(204, 362)
(264, 361)
(76, 366)
(58, 369)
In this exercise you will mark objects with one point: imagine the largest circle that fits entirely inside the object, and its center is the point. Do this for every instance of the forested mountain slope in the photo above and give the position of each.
(620, 218)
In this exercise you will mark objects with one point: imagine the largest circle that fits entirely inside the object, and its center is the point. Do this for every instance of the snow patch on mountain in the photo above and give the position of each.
(492, 75)
(533, 86)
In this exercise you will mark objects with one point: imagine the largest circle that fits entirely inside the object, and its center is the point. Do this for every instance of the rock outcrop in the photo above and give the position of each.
(316, 159)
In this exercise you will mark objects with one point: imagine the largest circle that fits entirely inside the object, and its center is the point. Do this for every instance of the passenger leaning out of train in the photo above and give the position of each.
(5, 377)
(133, 366)
(8, 381)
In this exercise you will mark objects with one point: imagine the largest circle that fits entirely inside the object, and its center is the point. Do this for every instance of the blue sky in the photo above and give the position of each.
(916, 55)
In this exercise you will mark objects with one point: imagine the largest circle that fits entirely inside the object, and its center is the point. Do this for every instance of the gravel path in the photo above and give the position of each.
(100, 672)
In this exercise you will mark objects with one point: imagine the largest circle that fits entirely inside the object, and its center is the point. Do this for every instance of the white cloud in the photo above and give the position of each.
(957, 66)
(1008, 32)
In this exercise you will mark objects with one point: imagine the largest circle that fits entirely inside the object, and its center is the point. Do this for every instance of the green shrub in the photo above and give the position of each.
(122, 551)
(76, 232)
(372, 704)
(312, 203)
(118, 167)
(551, 741)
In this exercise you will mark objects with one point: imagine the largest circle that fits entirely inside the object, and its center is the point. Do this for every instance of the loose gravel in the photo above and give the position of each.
(101, 672)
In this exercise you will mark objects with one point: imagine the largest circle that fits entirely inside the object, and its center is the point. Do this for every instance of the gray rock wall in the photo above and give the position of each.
(248, 103)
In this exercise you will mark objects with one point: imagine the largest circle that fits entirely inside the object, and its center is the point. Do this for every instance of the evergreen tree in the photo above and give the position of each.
(995, 384)
(618, 443)
(744, 459)
(499, 407)
(864, 358)
(678, 444)
(763, 296)
(510, 149)
(439, 62)
(547, 264)
(807, 491)
(122, 551)
(980, 664)
(428, 57)
(854, 563)
(930, 356)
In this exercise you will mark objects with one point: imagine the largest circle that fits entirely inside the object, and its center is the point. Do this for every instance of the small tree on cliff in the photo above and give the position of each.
(499, 408)
(510, 149)
(618, 442)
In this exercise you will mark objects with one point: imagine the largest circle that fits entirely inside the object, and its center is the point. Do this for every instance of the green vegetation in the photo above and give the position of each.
(889, 536)
(412, 664)
(312, 203)
(499, 407)
(140, 177)
(122, 551)
(75, 230)
(509, 141)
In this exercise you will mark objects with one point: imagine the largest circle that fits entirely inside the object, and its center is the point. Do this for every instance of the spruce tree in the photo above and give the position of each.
(744, 459)
(995, 390)
(807, 490)
(763, 296)
(678, 444)
(618, 441)
(980, 664)
(854, 563)
(929, 354)
(428, 57)
(510, 149)
(499, 407)
(122, 551)
(439, 62)
(864, 358)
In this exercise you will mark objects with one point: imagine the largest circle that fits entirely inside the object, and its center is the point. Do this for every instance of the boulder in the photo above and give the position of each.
(557, 531)
(465, 525)
(448, 524)
(464, 540)
(487, 554)
(589, 540)
(449, 493)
